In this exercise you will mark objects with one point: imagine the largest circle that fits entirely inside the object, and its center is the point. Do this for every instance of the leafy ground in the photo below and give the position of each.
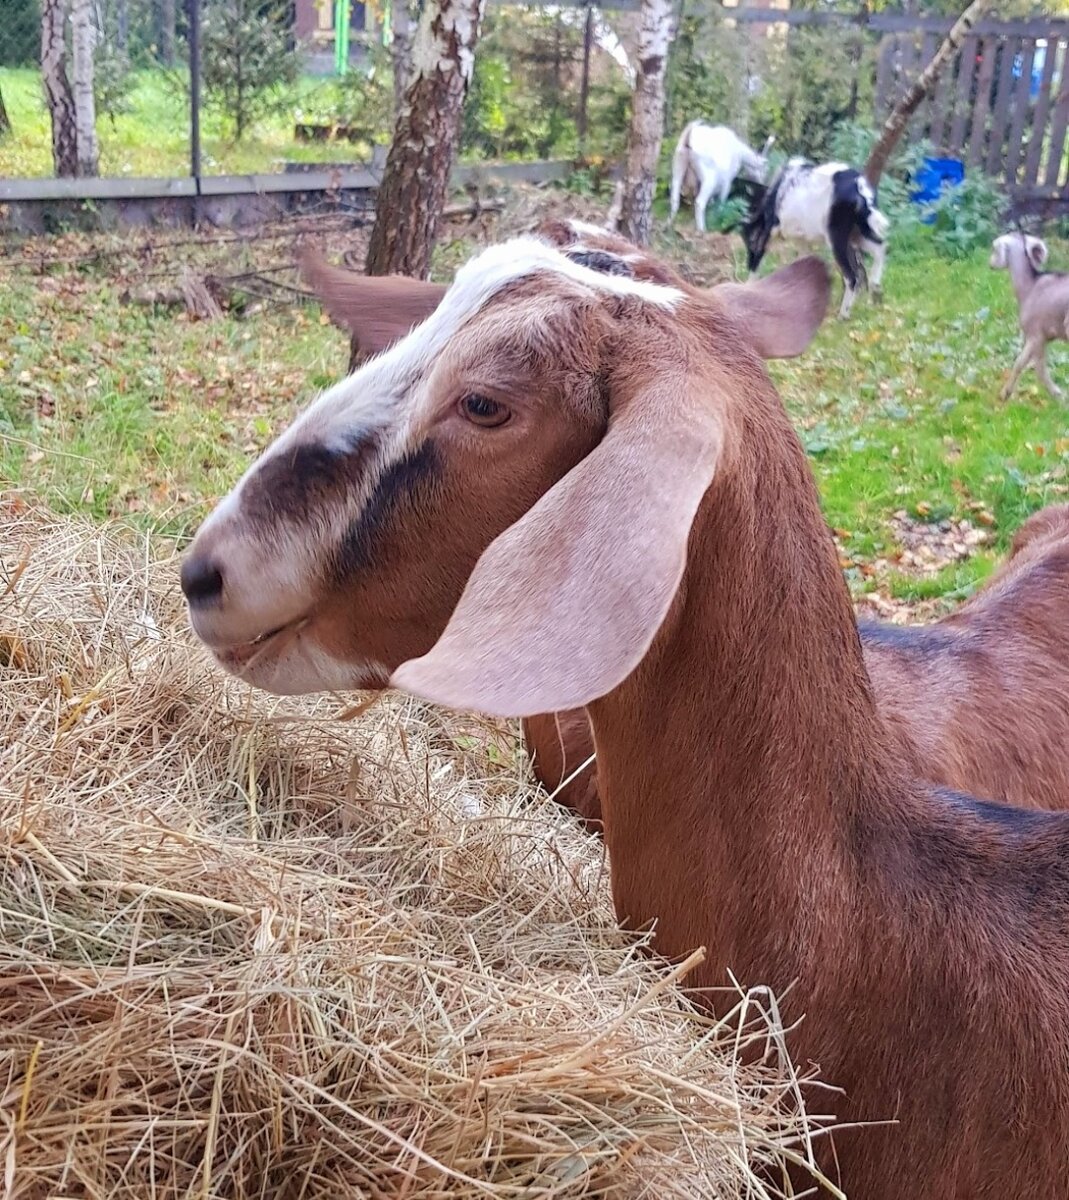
(122, 408)
(152, 139)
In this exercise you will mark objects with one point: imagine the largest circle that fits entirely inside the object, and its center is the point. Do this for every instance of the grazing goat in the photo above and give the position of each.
(1042, 304)
(832, 204)
(571, 488)
(707, 160)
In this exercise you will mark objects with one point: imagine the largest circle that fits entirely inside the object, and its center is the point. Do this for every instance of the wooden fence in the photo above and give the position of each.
(1002, 106)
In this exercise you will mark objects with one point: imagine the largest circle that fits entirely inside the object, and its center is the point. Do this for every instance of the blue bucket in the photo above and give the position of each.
(934, 175)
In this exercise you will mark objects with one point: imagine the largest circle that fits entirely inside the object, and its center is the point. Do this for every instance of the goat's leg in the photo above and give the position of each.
(878, 250)
(845, 260)
(680, 166)
(701, 201)
(1023, 359)
(1039, 361)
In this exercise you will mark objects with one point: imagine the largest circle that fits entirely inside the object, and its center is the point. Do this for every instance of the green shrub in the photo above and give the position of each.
(20, 33)
(967, 217)
(249, 66)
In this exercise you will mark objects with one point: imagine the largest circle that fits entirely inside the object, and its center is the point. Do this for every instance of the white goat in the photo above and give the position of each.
(706, 162)
(1042, 304)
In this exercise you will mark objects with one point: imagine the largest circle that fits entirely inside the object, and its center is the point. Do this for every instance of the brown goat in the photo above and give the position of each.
(569, 488)
(951, 691)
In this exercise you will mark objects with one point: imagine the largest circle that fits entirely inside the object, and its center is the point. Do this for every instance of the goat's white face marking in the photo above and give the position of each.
(279, 536)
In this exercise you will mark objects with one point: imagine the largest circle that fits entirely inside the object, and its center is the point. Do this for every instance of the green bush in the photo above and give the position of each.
(524, 96)
(249, 66)
(967, 217)
(20, 33)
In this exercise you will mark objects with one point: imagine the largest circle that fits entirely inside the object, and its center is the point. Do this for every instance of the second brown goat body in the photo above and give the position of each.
(952, 692)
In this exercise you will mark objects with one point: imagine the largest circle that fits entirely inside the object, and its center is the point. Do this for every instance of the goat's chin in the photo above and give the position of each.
(303, 668)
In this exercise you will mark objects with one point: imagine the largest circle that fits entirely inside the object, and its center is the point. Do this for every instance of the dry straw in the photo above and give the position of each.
(249, 950)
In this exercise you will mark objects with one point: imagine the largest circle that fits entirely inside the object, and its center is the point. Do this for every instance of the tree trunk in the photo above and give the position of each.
(403, 28)
(57, 88)
(910, 102)
(5, 120)
(167, 25)
(85, 119)
(415, 184)
(647, 120)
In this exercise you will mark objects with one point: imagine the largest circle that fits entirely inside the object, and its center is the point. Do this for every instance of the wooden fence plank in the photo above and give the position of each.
(884, 75)
(1000, 117)
(963, 98)
(903, 66)
(1022, 111)
(984, 76)
(1061, 119)
(1038, 124)
(929, 45)
(943, 105)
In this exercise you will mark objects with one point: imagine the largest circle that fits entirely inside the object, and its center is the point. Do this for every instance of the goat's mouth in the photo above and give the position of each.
(245, 655)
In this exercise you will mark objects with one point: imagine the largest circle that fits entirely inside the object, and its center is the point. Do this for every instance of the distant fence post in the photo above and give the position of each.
(584, 80)
(194, 92)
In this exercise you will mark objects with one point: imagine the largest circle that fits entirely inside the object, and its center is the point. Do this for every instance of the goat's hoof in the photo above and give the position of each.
(877, 296)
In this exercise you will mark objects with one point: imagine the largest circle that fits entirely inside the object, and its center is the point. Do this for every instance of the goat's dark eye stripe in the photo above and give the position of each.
(400, 483)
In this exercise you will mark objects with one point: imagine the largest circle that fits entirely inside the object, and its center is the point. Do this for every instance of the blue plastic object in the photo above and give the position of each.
(934, 175)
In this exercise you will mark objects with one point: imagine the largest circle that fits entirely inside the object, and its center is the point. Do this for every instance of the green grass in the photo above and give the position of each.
(117, 409)
(898, 408)
(153, 138)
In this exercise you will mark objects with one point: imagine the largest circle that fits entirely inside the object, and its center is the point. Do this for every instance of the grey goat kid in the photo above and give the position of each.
(1042, 304)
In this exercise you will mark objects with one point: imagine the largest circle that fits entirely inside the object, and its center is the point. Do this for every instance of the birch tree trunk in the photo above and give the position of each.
(57, 88)
(85, 117)
(647, 120)
(910, 102)
(415, 184)
(403, 29)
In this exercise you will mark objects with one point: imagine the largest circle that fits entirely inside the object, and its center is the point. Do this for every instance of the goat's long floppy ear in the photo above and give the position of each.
(563, 606)
(1037, 251)
(782, 312)
(377, 310)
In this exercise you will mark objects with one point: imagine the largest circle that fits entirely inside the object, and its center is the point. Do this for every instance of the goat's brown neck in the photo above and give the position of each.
(737, 761)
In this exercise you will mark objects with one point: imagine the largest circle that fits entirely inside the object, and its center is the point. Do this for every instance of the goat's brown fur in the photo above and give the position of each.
(979, 701)
(755, 800)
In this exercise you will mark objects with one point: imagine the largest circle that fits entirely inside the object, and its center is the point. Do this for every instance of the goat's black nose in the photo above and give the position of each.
(202, 581)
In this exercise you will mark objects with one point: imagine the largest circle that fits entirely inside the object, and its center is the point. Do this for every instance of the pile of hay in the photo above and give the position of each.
(250, 950)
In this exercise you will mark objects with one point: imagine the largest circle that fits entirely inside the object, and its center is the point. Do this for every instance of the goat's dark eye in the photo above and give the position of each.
(483, 411)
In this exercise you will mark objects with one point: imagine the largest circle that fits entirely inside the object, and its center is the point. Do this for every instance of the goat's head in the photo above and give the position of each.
(493, 512)
(1008, 245)
(755, 164)
(757, 231)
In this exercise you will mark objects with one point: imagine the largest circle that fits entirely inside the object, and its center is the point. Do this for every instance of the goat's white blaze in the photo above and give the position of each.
(273, 573)
(381, 394)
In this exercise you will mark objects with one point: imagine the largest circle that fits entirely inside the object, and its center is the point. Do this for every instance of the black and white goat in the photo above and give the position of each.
(832, 203)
